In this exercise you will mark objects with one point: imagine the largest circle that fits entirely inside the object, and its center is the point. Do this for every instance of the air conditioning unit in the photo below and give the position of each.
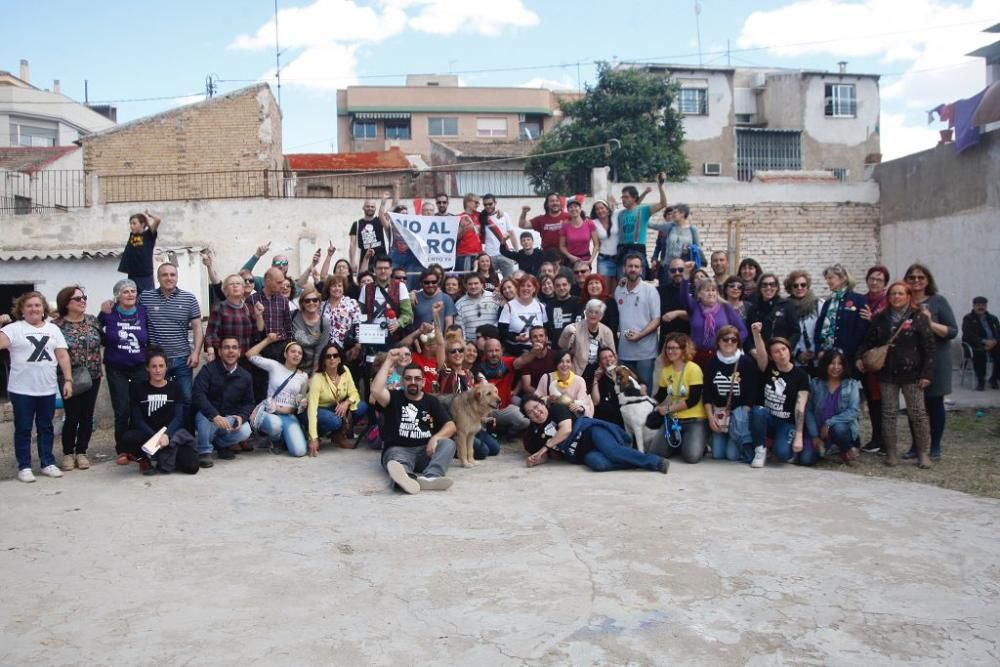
(713, 169)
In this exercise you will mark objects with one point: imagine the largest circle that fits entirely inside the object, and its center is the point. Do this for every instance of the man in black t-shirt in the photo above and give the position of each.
(416, 430)
(366, 234)
(564, 309)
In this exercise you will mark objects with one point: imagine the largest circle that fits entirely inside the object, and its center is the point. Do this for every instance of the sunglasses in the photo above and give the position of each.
(734, 286)
(430, 282)
(800, 286)
(769, 285)
(78, 298)
(284, 263)
(730, 339)
(332, 355)
(310, 300)
(456, 350)
(681, 270)
(248, 281)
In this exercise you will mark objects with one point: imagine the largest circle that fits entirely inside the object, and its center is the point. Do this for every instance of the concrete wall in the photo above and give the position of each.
(943, 210)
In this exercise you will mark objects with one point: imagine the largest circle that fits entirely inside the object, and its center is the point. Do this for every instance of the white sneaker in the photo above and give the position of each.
(52, 471)
(25, 475)
(397, 473)
(434, 483)
(759, 455)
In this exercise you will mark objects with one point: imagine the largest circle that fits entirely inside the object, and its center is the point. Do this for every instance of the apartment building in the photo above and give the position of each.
(35, 118)
(738, 121)
(428, 107)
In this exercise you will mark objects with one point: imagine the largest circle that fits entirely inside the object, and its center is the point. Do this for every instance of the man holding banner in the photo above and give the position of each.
(430, 238)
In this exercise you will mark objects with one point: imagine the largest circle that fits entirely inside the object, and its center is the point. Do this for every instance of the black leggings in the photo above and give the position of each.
(79, 425)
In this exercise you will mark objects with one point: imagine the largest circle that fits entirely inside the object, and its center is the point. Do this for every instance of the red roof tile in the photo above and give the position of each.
(30, 160)
(370, 161)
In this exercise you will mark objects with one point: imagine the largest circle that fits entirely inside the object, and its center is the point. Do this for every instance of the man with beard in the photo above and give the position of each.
(416, 431)
(549, 225)
(673, 314)
(500, 372)
(720, 268)
(366, 234)
(639, 319)
(563, 310)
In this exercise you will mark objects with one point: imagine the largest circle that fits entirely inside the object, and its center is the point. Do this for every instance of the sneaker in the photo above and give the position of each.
(663, 466)
(25, 475)
(227, 453)
(759, 456)
(82, 462)
(68, 462)
(872, 447)
(205, 461)
(52, 471)
(397, 473)
(434, 483)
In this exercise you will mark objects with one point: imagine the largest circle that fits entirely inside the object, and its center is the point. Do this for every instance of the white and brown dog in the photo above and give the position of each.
(635, 406)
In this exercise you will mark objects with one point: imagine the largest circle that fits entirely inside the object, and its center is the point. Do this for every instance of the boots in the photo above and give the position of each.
(891, 456)
(344, 438)
(923, 459)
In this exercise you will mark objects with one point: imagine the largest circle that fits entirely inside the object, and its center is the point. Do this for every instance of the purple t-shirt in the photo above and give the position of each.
(578, 238)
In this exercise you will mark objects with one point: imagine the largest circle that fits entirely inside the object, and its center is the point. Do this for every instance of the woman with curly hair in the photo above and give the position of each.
(680, 396)
(519, 315)
(804, 307)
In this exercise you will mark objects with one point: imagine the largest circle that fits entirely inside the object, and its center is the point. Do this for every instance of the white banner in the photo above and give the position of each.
(431, 238)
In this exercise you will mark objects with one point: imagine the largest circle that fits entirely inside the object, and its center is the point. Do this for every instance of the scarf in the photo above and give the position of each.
(708, 330)
(804, 307)
(493, 372)
(564, 384)
(729, 360)
(828, 332)
(127, 312)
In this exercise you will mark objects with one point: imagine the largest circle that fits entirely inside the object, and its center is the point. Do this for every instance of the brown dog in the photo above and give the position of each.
(468, 410)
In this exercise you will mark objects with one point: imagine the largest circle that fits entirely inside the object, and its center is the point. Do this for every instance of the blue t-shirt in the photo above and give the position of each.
(627, 221)
(423, 306)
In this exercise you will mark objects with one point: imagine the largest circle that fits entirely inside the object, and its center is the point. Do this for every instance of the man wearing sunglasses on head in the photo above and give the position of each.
(279, 262)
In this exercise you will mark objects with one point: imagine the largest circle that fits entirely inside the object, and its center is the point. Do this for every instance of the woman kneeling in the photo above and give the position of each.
(286, 387)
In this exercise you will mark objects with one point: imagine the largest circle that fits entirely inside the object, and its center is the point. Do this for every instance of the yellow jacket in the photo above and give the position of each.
(323, 393)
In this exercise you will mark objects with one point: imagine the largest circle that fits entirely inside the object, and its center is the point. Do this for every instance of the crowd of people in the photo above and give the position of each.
(371, 349)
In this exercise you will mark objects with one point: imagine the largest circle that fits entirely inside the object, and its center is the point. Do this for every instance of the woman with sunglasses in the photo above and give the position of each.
(908, 369)
(877, 279)
(680, 395)
(732, 293)
(772, 312)
(732, 388)
(944, 327)
(333, 404)
(310, 329)
(83, 337)
(834, 408)
(840, 324)
(804, 307)
(286, 389)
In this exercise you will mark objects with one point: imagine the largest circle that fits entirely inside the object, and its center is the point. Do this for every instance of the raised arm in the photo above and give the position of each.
(325, 269)
(759, 351)
(305, 280)
(379, 393)
(662, 204)
(153, 221)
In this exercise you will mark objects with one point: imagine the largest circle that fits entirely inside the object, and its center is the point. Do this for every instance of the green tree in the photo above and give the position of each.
(632, 106)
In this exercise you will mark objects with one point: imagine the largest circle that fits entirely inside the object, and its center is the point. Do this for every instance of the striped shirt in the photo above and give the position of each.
(473, 313)
(170, 318)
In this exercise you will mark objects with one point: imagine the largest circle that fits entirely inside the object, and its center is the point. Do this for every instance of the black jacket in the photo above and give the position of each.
(777, 318)
(911, 356)
(218, 392)
(973, 333)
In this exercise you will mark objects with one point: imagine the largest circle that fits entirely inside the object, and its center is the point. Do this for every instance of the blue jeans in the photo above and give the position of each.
(178, 371)
(465, 263)
(609, 454)
(328, 422)
(209, 434)
(40, 410)
(607, 265)
(737, 444)
(142, 283)
(484, 445)
(644, 369)
(840, 435)
(285, 428)
(783, 432)
(694, 437)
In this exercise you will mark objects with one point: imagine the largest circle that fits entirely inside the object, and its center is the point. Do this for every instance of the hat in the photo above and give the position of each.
(124, 283)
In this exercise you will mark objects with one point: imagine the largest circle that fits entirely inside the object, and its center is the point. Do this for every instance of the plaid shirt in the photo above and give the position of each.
(229, 320)
(277, 316)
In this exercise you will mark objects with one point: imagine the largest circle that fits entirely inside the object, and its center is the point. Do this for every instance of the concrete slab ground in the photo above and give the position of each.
(274, 561)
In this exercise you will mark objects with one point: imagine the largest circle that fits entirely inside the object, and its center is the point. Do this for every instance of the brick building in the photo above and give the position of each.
(225, 146)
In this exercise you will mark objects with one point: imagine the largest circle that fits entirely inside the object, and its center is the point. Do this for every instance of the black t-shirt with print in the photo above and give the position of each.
(156, 405)
(410, 423)
(371, 236)
(718, 377)
(137, 260)
(539, 434)
(781, 390)
(561, 314)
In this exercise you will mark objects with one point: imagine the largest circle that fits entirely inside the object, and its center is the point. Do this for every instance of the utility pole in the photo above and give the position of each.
(697, 23)
(277, 53)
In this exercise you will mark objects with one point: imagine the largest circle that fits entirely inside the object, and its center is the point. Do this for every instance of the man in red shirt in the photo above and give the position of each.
(548, 225)
(500, 372)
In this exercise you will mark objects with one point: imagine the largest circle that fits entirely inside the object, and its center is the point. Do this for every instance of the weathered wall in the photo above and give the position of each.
(240, 131)
(943, 210)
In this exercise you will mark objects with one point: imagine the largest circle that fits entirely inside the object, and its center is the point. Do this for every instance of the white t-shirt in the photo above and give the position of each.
(521, 318)
(492, 245)
(609, 242)
(33, 357)
(292, 392)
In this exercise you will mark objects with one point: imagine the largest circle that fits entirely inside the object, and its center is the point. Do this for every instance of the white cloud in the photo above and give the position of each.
(552, 84)
(324, 36)
(921, 42)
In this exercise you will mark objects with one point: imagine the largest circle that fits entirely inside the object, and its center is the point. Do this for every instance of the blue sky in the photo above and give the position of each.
(165, 50)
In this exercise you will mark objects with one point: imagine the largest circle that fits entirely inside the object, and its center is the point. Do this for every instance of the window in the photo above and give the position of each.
(694, 101)
(34, 136)
(841, 101)
(365, 129)
(397, 129)
(529, 127)
(744, 118)
(491, 127)
(767, 150)
(839, 172)
(442, 127)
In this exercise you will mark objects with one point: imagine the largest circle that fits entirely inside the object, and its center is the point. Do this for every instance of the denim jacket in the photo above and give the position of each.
(848, 406)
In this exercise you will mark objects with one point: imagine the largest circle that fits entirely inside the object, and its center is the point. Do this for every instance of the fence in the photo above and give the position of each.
(22, 193)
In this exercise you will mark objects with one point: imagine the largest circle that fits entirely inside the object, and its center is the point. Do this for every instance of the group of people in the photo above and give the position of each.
(373, 348)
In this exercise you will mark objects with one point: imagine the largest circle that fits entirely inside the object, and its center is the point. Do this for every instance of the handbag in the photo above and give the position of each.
(874, 359)
(724, 414)
(82, 382)
(266, 406)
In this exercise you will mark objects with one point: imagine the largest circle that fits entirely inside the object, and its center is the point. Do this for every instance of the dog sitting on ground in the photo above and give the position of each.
(635, 406)
(468, 410)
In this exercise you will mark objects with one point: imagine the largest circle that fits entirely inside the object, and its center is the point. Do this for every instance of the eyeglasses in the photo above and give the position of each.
(310, 300)
(800, 286)
(729, 339)
(430, 282)
(913, 279)
(734, 286)
(679, 270)
(281, 263)
(456, 350)
(248, 281)
(332, 355)
(769, 285)
(78, 298)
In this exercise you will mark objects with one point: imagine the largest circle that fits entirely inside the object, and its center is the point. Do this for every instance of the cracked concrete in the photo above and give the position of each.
(270, 560)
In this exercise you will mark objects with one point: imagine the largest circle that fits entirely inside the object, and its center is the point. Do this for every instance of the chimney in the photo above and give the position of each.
(25, 72)
(55, 87)
(842, 66)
